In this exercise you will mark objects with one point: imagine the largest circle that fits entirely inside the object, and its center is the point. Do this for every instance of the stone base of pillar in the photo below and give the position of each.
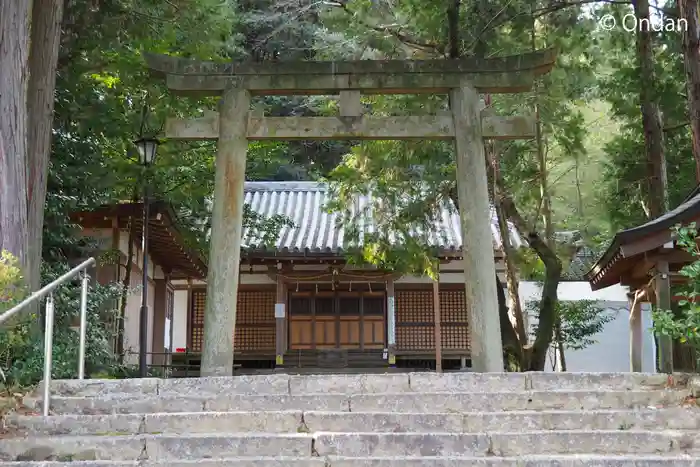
(391, 356)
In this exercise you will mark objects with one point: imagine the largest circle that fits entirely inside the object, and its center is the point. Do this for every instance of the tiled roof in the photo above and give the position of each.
(316, 230)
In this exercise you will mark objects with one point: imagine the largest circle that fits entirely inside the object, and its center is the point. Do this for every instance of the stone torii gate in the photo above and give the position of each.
(235, 124)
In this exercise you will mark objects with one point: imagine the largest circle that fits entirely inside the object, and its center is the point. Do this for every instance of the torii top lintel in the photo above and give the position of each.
(510, 74)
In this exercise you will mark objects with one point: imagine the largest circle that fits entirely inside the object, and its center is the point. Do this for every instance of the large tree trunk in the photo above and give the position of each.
(691, 53)
(653, 134)
(126, 289)
(453, 28)
(14, 75)
(512, 282)
(45, 39)
(548, 302)
(547, 310)
(512, 350)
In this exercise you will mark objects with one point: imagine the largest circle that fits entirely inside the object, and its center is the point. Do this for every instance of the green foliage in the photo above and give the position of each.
(11, 283)
(412, 181)
(684, 324)
(623, 192)
(21, 346)
(263, 230)
(579, 321)
(404, 188)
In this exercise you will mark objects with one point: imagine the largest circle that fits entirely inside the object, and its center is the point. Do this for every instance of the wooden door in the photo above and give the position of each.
(337, 320)
(301, 321)
(349, 320)
(325, 321)
(373, 320)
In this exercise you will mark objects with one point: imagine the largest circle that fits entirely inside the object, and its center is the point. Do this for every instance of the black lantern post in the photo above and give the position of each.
(147, 149)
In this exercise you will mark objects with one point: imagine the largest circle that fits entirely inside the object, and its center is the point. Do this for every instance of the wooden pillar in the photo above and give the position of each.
(280, 322)
(636, 332)
(226, 231)
(171, 315)
(190, 315)
(438, 326)
(475, 215)
(663, 302)
(391, 321)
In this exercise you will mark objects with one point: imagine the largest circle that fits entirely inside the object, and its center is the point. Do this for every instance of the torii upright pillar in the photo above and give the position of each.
(463, 80)
(226, 233)
(475, 216)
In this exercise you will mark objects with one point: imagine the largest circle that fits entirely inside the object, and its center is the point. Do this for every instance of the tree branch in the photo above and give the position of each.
(396, 33)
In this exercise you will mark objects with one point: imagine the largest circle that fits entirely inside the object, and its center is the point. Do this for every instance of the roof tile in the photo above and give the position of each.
(316, 230)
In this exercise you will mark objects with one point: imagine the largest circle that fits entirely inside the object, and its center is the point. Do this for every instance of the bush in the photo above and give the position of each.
(11, 281)
(22, 344)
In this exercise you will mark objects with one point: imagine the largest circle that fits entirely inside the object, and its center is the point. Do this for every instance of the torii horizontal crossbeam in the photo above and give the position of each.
(492, 75)
(356, 128)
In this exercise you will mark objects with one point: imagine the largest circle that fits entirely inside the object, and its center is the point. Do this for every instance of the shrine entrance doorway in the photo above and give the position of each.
(344, 318)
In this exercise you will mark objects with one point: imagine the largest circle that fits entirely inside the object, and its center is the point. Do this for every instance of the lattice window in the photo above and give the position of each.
(415, 337)
(197, 339)
(254, 339)
(415, 320)
(453, 306)
(255, 307)
(455, 319)
(455, 337)
(199, 299)
(255, 320)
(414, 306)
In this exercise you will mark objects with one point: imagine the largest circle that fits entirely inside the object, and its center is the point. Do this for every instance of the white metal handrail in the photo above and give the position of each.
(47, 291)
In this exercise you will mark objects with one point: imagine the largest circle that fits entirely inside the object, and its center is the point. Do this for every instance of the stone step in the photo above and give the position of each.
(217, 446)
(505, 444)
(370, 383)
(480, 422)
(399, 402)
(679, 418)
(157, 447)
(497, 402)
(525, 461)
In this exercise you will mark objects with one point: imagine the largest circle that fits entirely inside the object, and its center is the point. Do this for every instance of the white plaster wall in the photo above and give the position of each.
(180, 320)
(610, 353)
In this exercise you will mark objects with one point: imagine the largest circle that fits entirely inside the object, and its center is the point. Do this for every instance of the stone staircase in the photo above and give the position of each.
(369, 420)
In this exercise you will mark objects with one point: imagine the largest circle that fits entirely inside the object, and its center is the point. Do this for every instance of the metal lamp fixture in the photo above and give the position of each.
(147, 149)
